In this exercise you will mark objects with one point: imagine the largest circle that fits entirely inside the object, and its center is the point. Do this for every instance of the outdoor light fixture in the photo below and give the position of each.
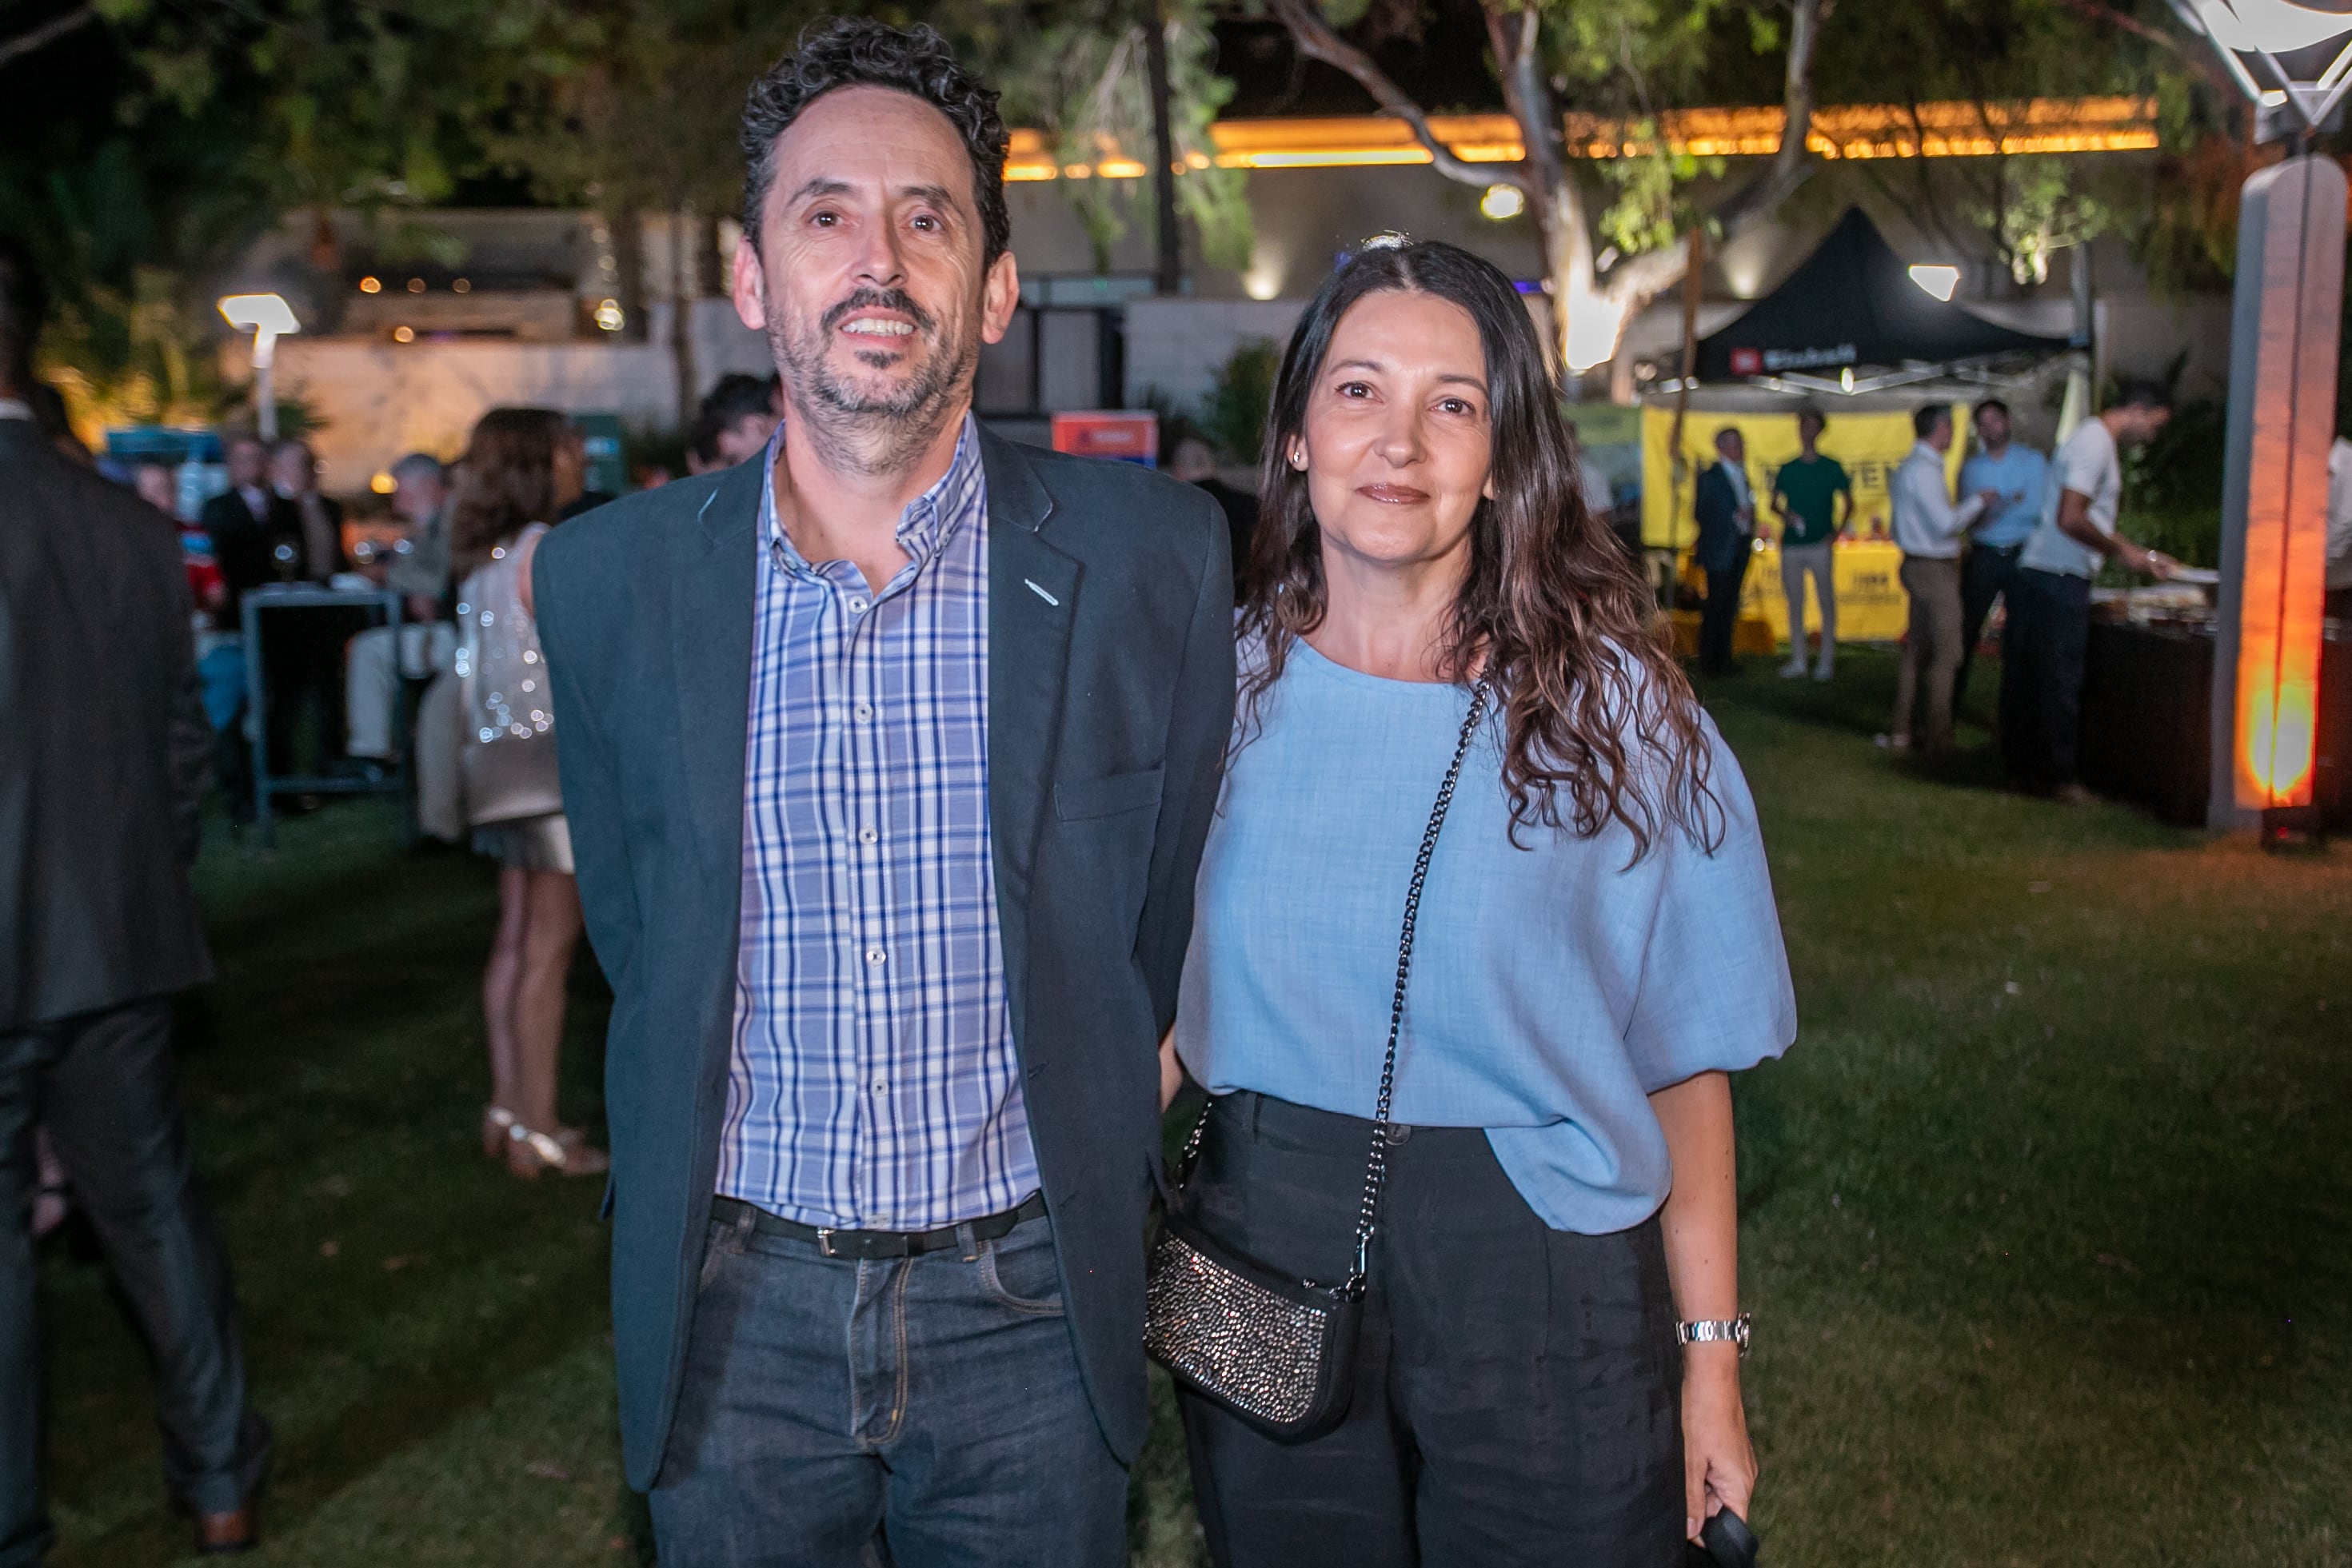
(1502, 202)
(2287, 303)
(1938, 281)
(268, 317)
(608, 315)
(2251, 35)
(370, 284)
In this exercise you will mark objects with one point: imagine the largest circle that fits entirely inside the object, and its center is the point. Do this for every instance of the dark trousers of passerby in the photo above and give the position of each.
(1516, 1389)
(1985, 573)
(106, 1086)
(1718, 619)
(2042, 652)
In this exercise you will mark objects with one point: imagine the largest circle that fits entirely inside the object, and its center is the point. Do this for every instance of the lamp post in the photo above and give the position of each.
(2285, 310)
(268, 317)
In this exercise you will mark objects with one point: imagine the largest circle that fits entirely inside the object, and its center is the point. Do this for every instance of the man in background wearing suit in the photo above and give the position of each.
(1725, 508)
(99, 780)
(888, 759)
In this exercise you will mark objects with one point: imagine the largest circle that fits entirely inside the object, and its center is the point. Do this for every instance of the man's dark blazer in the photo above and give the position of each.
(103, 744)
(1715, 505)
(243, 547)
(1110, 689)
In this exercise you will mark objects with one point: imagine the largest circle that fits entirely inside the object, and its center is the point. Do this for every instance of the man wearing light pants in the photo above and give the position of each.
(1927, 529)
(1814, 499)
(425, 642)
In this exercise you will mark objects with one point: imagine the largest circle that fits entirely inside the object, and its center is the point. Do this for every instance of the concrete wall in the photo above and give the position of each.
(1174, 346)
(380, 399)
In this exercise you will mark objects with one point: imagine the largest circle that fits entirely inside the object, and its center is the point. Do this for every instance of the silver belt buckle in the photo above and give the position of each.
(824, 1241)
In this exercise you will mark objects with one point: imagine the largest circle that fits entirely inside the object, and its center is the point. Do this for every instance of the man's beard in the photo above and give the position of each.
(875, 432)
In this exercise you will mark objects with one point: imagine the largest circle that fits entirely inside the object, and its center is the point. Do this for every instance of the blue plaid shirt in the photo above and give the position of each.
(874, 1084)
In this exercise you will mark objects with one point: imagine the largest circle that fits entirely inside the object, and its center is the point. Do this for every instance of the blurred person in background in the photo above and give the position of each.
(1813, 497)
(1195, 463)
(702, 447)
(102, 777)
(2048, 633)
(1725, 508)
(294, 475)
(379, 658)
(521, 467)
(742, 413)
(1928, 526)
(158, 483)
(2017, 475)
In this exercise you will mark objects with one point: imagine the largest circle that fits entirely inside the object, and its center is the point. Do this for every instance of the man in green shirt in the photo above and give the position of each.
(1815, 500)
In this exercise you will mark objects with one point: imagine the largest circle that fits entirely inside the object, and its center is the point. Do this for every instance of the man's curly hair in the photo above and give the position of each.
(857, 51)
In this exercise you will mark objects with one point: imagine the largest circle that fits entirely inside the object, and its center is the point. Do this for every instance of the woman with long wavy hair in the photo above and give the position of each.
(522, 469)
(1595, 948)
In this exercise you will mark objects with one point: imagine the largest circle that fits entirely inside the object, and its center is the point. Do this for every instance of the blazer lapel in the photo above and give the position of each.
(1032, 596)
(713, 581)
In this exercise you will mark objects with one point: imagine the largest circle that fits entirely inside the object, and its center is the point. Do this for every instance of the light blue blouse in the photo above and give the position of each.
(1553, 987)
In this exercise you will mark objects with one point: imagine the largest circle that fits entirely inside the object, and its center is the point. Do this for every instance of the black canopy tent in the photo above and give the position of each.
(1850, 320)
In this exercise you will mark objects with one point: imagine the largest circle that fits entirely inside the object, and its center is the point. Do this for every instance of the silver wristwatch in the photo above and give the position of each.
(1715, 1331)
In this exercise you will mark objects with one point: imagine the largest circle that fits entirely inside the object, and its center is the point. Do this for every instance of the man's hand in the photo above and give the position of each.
(1718, 1461)
(2148, 562)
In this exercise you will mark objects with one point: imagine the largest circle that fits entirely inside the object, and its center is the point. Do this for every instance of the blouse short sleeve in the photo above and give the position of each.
(1715, 993)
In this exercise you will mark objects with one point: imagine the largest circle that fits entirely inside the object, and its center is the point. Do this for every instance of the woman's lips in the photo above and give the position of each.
(1393, 495)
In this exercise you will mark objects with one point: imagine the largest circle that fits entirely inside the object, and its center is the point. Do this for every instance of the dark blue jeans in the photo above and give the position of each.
(909, 1412)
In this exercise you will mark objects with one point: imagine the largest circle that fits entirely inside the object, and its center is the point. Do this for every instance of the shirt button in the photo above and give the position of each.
(873, 955)
(857, 606)
(866, 835)
(881, 1086)
(864, 712)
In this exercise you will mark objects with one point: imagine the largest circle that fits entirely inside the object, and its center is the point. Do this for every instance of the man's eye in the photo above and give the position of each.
(825, 220)
(927, 223)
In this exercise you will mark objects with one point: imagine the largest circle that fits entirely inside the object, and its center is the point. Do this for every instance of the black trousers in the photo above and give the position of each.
(2042, 652)
(1717, 620)
(1518, 1389)
(106, 1087)
(1985, 573)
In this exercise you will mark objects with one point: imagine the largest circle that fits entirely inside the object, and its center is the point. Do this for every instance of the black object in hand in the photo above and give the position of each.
(1726, 1542)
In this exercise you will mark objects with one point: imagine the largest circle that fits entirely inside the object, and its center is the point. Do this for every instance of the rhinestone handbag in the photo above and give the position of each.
(1277, 1351)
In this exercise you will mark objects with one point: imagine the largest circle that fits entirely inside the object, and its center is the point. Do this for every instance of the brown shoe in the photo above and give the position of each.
(220, 1534)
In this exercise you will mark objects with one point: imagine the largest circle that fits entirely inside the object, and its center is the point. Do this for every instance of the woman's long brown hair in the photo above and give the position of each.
(506, 483)
(1600, 723)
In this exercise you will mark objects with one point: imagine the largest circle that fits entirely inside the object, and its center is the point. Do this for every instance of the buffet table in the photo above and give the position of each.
(2146, 737)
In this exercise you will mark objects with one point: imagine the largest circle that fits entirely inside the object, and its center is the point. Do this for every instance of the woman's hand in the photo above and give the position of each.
(1171, 1071)
(1718, 1462)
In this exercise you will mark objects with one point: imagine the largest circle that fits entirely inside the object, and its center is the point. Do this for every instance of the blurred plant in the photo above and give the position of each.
(1233, 413)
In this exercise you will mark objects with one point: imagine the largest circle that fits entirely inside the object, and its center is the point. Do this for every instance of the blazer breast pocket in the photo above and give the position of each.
(1076, 800)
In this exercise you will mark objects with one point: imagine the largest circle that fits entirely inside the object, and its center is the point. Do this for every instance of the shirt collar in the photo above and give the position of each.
(929, 520)
(14, 408)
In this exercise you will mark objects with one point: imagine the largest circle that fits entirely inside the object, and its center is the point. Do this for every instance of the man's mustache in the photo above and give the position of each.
(881, 299)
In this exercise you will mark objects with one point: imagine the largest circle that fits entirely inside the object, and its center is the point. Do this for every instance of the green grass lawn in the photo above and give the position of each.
(2047, 1217)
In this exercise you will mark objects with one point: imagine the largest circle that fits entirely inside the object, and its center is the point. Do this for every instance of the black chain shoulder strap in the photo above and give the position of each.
(1377, 1170)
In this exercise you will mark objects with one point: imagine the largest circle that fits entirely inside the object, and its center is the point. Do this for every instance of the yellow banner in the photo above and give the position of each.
(1871, 604)
(1870, 445)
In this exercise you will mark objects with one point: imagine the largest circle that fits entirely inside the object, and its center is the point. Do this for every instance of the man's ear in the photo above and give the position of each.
(1000, 296)
(750, 286)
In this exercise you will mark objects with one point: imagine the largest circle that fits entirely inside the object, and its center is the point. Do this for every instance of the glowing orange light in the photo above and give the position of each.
(1943, 130)
(2282, 392)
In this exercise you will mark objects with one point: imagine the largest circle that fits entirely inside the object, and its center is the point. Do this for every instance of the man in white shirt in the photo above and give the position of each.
(2048, 628)
(2339, 529)
(1927, 530)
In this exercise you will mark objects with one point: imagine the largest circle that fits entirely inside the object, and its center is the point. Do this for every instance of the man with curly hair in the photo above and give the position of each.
(888, 757)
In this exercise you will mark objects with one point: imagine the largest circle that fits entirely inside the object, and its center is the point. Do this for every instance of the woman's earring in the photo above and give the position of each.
(1297, 459)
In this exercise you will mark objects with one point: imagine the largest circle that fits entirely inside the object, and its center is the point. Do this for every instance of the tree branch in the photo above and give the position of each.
(48, 32)
(1314, 39)
(2196, 60)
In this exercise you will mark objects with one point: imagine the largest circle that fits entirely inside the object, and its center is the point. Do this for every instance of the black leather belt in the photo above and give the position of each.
(865, 1245)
